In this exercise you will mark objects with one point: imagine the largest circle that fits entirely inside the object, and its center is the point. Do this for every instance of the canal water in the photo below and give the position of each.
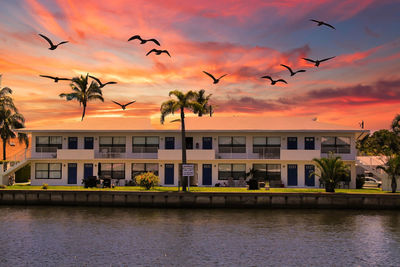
(85, 236)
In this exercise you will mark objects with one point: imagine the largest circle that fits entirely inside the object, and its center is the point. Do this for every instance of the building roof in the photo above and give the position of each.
(196, 124)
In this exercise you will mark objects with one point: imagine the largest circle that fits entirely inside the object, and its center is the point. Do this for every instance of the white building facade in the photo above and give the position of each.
(221, 149)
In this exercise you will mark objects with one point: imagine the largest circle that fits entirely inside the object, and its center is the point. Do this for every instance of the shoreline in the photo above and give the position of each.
(256, 200)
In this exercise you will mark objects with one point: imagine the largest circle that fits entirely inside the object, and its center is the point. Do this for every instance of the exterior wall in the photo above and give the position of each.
(300, 156)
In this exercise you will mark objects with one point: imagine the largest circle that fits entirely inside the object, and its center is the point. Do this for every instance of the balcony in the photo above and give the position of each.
(299, 154)
(111, 152)
(196, 154)
(75, 154)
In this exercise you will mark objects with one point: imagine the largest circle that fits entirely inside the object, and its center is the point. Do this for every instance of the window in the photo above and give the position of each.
(236, 171)
(48, 144)
(268, 172)
(338, 145)
(169, 142)
(72, 142)
(267, 147)
(292, 143)
(112, 170)
(88, 143)
(232, 144)
(145, 144)
(309, 143)
(112, 144)
(207, 142)
(138, 168)
(48, 170)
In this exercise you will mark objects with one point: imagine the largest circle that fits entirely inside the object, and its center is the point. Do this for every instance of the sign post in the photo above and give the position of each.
(188, 170)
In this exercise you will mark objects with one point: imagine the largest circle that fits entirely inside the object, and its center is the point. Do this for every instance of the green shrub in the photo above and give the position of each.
(3, 186)
(147, 180)
(45, 186)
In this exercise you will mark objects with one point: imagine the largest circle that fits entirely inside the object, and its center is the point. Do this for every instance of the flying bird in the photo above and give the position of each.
(158, 52)
(143, 41)
(291, 71)
(123, 106)
(56, 79)
(273, 82)
(320, 23)
(212, 77)
(52, 46)
(100, 83)
(317, 62)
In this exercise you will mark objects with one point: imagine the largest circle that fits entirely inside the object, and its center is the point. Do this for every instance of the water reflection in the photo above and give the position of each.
(116, 236)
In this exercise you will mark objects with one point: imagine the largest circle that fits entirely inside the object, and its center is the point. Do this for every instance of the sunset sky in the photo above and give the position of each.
(245, 39)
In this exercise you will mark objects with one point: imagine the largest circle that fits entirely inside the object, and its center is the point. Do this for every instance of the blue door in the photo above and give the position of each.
(88, 143)
(169, 173)
(72, 142)
(207, 174)
(292, 174)
(72, 173)
(292, 143)
(87, 170)
(309, 143)
(308, 176)
(207, 142)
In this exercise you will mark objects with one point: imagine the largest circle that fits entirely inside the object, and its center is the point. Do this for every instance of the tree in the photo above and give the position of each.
(382, 142)
(83, 93)
(202, 99)
(183, 101)
(396, 124)
(332, 170)
(392, 169)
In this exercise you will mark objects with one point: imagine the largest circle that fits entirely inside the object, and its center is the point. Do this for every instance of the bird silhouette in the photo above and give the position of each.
(123, 106)
(143, 41)
(52, 46)
(273, 82)
(214, 79)
(56, 79)
(101, 85)
(320, 23)
(158, 52)
(317, 62)
(361, 124)
(291, 71)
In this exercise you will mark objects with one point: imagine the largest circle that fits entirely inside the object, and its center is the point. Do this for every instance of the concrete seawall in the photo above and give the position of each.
(200, 200)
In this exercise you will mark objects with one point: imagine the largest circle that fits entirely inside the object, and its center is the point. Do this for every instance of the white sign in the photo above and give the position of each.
(188, 170)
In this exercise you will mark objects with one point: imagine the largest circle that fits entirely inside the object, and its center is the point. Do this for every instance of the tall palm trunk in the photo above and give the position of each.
(394, 184)
(84, 110)
(183, 135)
(4, 149)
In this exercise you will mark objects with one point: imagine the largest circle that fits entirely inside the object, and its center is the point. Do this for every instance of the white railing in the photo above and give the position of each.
(16, 159)
(44, 152)
(260, 153)
(110, 155)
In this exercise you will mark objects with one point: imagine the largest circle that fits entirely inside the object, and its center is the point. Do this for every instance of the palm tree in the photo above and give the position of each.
(396, 124)
(10, 121)
(82, 93)
(392, 169)
(183, 101)
(332, 170)
(6, 100)
(202, 99)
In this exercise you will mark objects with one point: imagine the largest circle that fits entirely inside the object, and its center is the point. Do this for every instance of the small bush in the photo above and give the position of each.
(147, 180)
(3, 186)
(45, 186)
(360, 180)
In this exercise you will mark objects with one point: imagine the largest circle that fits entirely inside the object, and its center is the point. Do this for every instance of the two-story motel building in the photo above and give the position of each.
(222, 149)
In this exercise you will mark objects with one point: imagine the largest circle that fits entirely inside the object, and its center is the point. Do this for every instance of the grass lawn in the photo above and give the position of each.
(201, 189)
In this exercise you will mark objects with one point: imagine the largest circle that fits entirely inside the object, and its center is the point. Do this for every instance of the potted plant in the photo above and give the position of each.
(253, 181)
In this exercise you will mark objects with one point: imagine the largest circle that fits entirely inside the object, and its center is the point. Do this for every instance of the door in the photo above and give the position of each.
(72, 173)
(292, 143)
(207, 174)
(189, 142)
(207, 142)
(88, 143)
(308, 176)
(87, 170)
(292, 174)
(169, 142)
(309, 143)
(72, 142)
(169, 174)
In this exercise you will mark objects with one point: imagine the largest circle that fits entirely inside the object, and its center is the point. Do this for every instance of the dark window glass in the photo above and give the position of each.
(292, 143)
(72, 142)
(112, 170)
(207, 142)
(169, 142)
(145, 144)
(48, 144)
(309, 143)
(48, 171)
(236, 171)
(232, 144)
(337, 145)
(112, 144)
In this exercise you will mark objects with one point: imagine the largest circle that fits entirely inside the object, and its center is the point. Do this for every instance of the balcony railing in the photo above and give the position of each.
(336, 149)
(45, 152)
(267, 152)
